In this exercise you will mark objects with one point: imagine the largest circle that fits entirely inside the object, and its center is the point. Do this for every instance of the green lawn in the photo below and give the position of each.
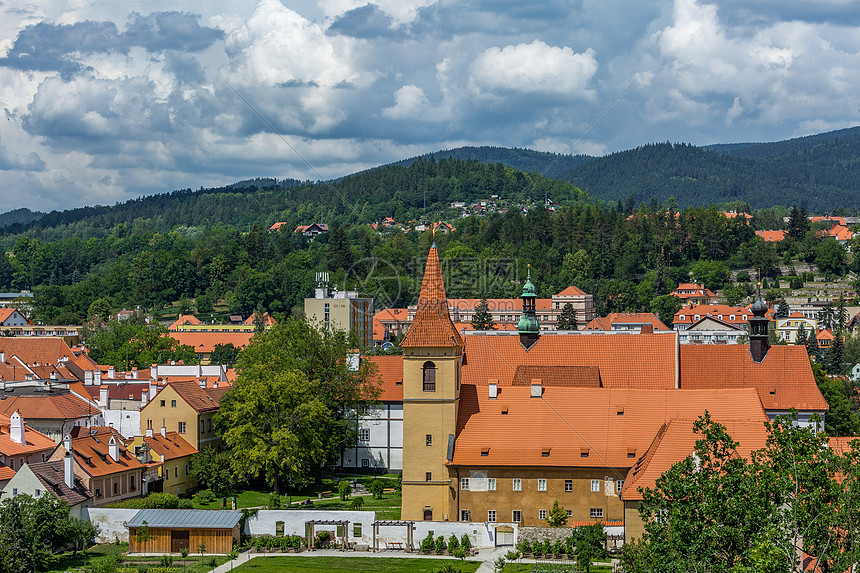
(352, 564)
(386, 508)
(103, 553)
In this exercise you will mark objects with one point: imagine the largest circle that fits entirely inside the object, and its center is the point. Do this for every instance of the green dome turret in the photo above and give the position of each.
(528, 323)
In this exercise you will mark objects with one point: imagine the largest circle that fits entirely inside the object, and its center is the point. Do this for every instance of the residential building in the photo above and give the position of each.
(825, 338)
(204, 342)
(56, 478)
(186, 408)
(190, 323)
(340, 310)
(20, 445)
(11, 317)
(734, 315)
(692, 293)
(21, 299)
(103, 463)
(169, 455)
(380, 433)
(312, 230)
(389, 323)
(788, 328)
(771, 236)
(711, 330)
(626, 322)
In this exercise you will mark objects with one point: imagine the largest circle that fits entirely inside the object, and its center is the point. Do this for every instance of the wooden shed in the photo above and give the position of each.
(172, 530)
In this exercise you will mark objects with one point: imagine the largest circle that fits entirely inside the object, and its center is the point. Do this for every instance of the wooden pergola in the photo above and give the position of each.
(409, 525)
(310, 526)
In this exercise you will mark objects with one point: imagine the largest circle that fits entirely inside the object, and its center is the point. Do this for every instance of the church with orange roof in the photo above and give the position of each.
(499, 424)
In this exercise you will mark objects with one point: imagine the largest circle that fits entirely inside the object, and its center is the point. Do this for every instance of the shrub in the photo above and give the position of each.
(274, 501)
(344, 490)
(166, 560)
(525, 546)
(499, 565)
(466, 543)
(453, 543)
(357, 503)
(322, 539)
(557, 547)
(377, 488)
(205, 496)
(427, 542)
(184, 552)
(440, 544)
(211, 562)
(458, 553)
(448, 568)
(537, 548)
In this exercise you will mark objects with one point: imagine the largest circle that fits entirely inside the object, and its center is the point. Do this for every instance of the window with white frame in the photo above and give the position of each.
(595, 512)
(465, 515)
(516, 516)
(541, 484)
(518, 484)
(568, 485)
(491, 516)
(541, 514)
(464, 484)
(364, 434)
(491, 484)
(595, 485)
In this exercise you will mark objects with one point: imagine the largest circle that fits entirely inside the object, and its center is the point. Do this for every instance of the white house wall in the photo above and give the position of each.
(384, 450)
(126, 422)
(110, 521)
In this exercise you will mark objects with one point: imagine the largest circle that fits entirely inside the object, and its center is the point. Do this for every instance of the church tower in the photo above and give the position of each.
(432, 354)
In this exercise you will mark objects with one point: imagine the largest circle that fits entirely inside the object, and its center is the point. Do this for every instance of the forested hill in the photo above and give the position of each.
(821, 172)
(390, 191)
(549, 164)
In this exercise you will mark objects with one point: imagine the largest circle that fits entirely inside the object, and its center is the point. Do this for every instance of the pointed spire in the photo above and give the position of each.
(432, 326)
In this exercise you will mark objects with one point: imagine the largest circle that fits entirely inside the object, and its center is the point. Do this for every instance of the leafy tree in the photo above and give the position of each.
(665, 307)
(344, 490)
(377, 488)
(225, 354)
(204, 303)
(285, 417)
(830, 257)
(131, 344)
(80, 533)
(712, 274)
(590, 545)
(99, 309)
(734, 294)
(16, 548)
(840, 419)
(483, 320)
(557, 516)
(211, 469)
(567, 318)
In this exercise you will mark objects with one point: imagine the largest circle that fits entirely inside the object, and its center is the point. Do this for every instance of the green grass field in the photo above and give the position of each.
(104, 553)
(352, 564)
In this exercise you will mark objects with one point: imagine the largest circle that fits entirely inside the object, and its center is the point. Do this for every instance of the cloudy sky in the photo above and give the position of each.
(105, 100)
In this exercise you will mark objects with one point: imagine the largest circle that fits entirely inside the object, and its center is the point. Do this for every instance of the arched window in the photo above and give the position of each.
(429, 377)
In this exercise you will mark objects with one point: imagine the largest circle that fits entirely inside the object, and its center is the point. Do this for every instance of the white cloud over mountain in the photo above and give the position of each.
(105, 101)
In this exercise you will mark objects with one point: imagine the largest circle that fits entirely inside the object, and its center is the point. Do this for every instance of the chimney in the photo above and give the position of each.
(111, 372)
(202, 383)
(537, 388)
(88, 377)
(3, 357)
(153, 372)
(143, 399)
(152, 391)
(199, 370)
(134, 373)
(98, 377)
(215, 385)
(16, 429)
(103, 397)
(163, 429)
(148, 433)
(113, 449)
(54, 375)
(67, 442)
(69, 470)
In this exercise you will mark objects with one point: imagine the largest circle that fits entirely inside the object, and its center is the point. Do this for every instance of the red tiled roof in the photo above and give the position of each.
(5, 313)
(828, 219)
(784, 378)
(560, 376)
(90, 447)
(6, 473)
(171, 446)
(122, 391)
(205, 342)
(393, 314)
(185, 320)
(53, 406)
(432, 326)
(606, 322)
(771, 236)
(571, 291)
(796, 314)
(278, 225)
(461, 326)
(498, 356)
(840, 233)
(196, 397)
(687, 315)
(42, 350)
(676, 440)
(34, 441)
(824, 335)
(390, 375)
(613, 427)
(267, 320)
